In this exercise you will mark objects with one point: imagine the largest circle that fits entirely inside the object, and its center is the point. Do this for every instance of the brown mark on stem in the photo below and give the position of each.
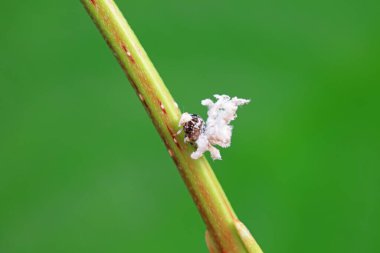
(174, 136)
(130, 57)
(162, 106)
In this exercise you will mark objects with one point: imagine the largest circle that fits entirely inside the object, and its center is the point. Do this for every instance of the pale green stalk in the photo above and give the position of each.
(225, 233)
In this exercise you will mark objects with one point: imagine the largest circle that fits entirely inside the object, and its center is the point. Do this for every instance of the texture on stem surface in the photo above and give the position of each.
(225, 233)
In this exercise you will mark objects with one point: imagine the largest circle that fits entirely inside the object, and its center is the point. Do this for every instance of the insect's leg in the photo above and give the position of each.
(215, 153)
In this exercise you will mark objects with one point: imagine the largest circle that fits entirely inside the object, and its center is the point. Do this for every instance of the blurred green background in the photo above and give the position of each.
(82, 168)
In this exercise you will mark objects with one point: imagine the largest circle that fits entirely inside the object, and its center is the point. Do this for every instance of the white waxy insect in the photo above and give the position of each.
(216, 130)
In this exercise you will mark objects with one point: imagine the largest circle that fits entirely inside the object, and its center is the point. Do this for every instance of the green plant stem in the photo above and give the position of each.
(224, 231)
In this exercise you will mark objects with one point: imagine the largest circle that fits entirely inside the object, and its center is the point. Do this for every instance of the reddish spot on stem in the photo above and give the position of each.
(137, 91)
(174, 137)
(162, 107)
(170, 131)
(130, 57)
(146, 106)
(93, 2)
